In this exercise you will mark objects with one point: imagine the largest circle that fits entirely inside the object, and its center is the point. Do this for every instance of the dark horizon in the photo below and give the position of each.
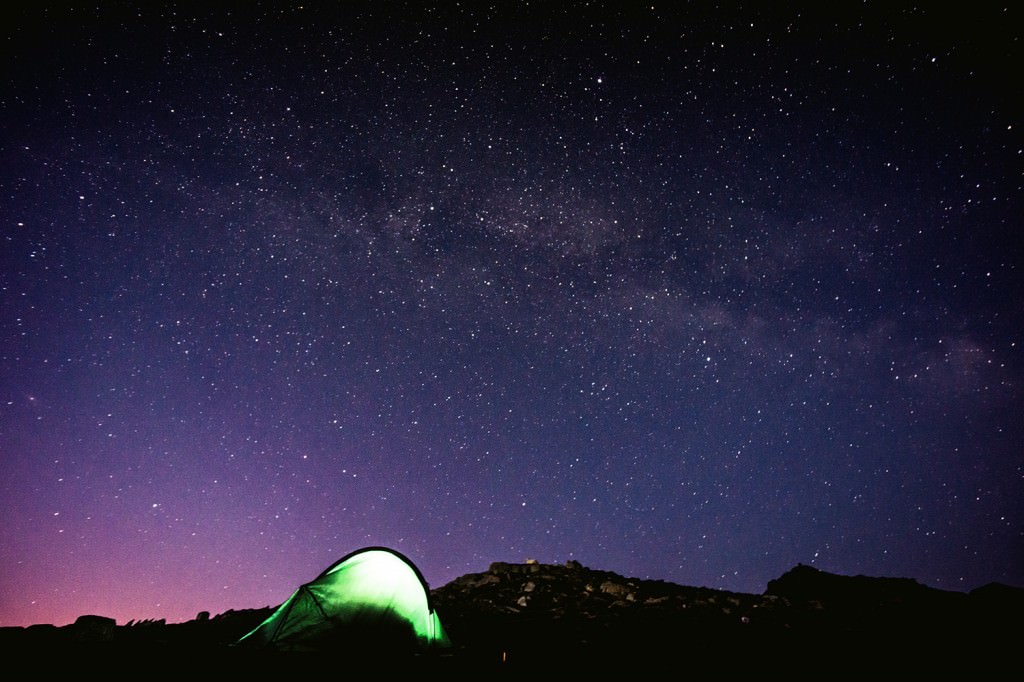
(874, 585)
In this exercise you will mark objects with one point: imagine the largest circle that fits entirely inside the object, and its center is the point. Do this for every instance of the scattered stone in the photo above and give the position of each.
(614, 589)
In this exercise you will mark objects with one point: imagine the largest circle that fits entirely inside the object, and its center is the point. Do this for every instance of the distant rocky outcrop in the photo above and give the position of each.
(806, 617)
(93, 629)
(807, 583)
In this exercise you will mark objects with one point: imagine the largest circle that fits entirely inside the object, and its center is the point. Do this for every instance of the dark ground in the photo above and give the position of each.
(517, 619)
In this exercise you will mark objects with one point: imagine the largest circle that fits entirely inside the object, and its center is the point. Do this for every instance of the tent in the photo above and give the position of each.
(372, 600)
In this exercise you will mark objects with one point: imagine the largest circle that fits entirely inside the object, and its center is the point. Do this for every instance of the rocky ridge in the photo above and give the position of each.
(542, 611)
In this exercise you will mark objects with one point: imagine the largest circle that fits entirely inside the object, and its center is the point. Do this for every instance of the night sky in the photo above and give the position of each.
(682, 292)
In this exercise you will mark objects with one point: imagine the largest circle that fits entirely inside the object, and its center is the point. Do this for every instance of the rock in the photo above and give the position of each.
(614, 589)
(93, 629)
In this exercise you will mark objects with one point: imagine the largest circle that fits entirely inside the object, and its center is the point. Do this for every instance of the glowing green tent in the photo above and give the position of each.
(372, 600)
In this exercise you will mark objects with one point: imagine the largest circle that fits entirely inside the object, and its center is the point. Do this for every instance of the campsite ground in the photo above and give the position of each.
(797, 657)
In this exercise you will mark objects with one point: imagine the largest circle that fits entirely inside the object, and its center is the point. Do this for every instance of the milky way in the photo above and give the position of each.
(692, 294)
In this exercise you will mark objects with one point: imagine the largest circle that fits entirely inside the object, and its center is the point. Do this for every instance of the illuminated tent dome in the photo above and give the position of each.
(372, 600)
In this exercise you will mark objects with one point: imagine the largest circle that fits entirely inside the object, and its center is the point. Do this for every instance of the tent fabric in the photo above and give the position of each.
(373, 599)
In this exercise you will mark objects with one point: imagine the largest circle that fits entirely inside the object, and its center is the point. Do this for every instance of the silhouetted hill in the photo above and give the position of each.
(526, 617)
(806, 619)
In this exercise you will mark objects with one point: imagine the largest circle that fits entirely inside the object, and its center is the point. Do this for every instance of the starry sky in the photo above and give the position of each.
(684, 291)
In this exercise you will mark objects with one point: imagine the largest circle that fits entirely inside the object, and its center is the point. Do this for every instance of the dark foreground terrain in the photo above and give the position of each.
(538, 618)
